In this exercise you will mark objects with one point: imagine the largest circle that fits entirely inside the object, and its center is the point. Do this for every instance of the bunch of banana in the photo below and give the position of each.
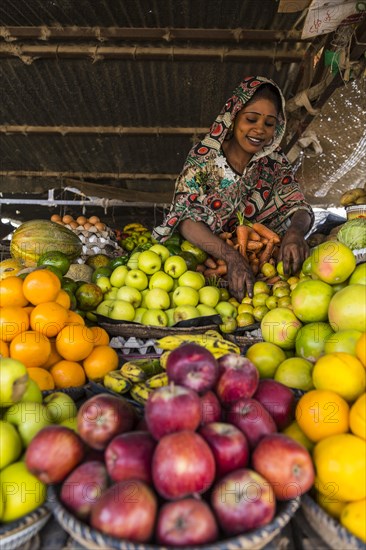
(140, 392)
(217, 345)
(116, 382)
(353, 196)
(140, 369)
(157, 381)
(138, 227)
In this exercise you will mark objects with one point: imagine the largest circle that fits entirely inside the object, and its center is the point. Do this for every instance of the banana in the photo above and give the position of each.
(131, 227)
(141, 369)
(140, 392)
(214, 334)
(224, 345)
(209, 342)
(350, 196)
(157, 381)
(133, 373)
(116, 382)
(163, 359)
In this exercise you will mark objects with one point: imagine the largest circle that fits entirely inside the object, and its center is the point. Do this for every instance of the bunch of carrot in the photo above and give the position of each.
(255, 242)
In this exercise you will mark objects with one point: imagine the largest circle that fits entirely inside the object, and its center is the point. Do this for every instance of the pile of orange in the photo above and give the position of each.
(38, 328)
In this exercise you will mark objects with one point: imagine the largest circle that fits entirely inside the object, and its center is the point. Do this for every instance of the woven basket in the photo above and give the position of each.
(17, 533)
(148, 331)
(76, 392)
(94, 540)
(245, 338)
(328, 528)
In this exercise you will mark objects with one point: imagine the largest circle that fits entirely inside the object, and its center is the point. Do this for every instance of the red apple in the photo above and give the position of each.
(279, 401)
(228, 445)
(53, 453)
(102, 417)
(171, 409)
(192, 366)
(129, 456)
(210, 408)
(286, 464)
(183, 464)
(239, 378)
(186, 522)
(127, 510)
(252, 419)
(83, 487)
(243, 500)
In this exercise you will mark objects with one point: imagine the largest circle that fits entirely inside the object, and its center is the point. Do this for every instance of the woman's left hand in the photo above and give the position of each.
(293, 252)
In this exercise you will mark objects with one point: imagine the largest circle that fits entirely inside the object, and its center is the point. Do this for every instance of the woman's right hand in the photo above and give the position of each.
(240, 276)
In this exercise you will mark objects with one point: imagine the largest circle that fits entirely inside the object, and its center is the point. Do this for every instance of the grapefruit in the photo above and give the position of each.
(357, 417)
(347, 309)
(342, 373)
(310, 301)
(332, 262)
(295, 372)
(358, 277)
(266, 357)
(343, 340)
(310, 340)
(280, 326)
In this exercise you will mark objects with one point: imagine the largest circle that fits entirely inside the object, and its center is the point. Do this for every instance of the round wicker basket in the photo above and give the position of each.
(17, 533)
(93, 539)
(147, 331)
(76, 392)
(328, 528)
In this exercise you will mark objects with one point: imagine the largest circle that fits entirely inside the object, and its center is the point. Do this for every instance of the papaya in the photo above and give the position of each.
(36, 237)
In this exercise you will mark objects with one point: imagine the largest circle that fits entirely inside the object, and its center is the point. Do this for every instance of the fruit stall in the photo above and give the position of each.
(142, 405)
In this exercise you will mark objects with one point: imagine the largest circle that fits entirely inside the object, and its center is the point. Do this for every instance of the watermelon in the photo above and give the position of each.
(35, 237)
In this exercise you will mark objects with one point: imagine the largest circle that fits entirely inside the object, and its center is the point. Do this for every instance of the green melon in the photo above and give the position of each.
(35, 237)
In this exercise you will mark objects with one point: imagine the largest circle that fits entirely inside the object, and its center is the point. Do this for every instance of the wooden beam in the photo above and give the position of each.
(86, 175)
(102, 130)
(165, 34)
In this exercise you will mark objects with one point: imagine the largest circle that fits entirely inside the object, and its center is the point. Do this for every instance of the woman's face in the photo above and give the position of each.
(255, 125)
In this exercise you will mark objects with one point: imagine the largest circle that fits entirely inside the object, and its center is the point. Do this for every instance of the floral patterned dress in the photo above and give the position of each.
(209, 190)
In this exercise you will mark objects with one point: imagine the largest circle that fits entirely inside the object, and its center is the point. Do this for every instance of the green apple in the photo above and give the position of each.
(118, 276)
(182, 313)
(29, 418)
(14, 381)
(160, 279)
(143, 297)
(71, 423)
(206, 311)
(185, 296)
(32, 393)
(175, 266)
(21, 491)
(157, 298)
(111, 294)
(155, 317)
(226, 309)
(130, 294)
(105, 307)
(10, 444)
(194, 279)
(60, 406)
(149, 262)
(170, 314)
(137, 279)
(161, 250)
(133, 260)
(138, 314)
(209, 295)
(122, 311)
(104, 284)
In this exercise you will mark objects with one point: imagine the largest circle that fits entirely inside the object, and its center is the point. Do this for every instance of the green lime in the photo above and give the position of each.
(73, 302)
(55, 270)
(54, 258)
(104, 271)
(174, 249)
(116, 262)
(88, 296)
(190, 259)
(69, 285)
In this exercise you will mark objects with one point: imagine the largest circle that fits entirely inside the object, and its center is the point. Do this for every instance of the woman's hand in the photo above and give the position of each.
(293, 252)
(240, 276)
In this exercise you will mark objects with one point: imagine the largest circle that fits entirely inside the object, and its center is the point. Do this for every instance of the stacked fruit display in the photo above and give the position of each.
(24, 412)
(134, 235)
(211, 433)
(38, 328)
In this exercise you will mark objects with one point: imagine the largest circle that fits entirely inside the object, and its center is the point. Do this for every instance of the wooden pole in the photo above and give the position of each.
(90, 175)
(104, 130)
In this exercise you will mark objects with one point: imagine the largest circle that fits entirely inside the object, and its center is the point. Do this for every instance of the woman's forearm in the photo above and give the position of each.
(300, 222)
(200, 235)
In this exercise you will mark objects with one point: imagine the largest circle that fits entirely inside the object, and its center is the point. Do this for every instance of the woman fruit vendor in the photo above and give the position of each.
(240, 167)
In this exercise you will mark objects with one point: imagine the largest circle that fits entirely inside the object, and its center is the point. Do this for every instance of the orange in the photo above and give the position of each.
(340, 464)
(41, 285)
(101, 336)
(357, 417)
(63, 299)
(101, 360)
(4, 349)
(321, 413)
(68, 374)
(361, 349)
(75, 342)
(11, 292)
(28, 309)
(75, 318)
(54, 356)
(342, 373)
(13, 321)
(42, 377)
(30, 348)
(49, 318)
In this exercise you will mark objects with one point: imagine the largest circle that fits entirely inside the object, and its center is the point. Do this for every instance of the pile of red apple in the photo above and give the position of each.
(205, 462)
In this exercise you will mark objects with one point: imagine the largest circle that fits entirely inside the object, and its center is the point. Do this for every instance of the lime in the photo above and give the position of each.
(259, 312)
(268, 270)
(245, 308)
(69, 285)
(265, 357)
(295, 372)
(245, 319)
(259, 299)
(224, 294)
(271, 302)
(55, 270)
(54, 258)
(88, 296)
(261, 287)
(103, 271)
(116, 262)
(190, 259)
